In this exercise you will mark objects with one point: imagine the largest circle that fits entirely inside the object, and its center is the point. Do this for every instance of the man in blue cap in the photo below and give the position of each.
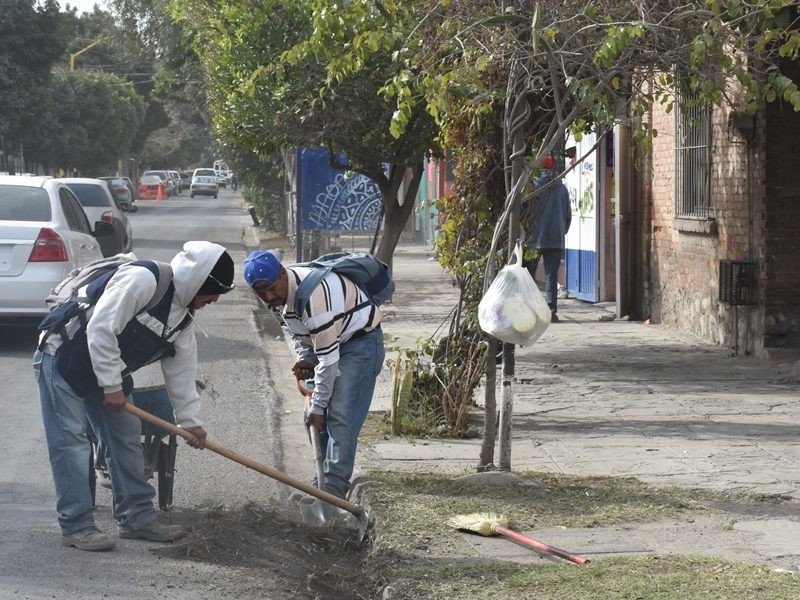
(338, 338)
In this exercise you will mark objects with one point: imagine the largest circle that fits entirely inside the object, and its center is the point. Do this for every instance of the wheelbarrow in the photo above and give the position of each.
(159, 446)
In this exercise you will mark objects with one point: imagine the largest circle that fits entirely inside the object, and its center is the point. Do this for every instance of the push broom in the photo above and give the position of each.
(488, 524)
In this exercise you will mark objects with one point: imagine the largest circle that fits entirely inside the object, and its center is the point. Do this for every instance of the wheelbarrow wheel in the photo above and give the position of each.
(166, 471)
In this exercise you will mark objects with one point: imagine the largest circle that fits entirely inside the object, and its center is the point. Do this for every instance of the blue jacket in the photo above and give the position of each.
(550, 218)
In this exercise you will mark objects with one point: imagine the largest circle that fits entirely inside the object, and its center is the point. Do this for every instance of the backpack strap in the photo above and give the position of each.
(303, 292)
(307, 286)
(164, 281)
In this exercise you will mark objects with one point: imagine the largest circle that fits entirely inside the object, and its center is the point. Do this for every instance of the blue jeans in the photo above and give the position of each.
(65, 416)
(360, 361)
(552, 261)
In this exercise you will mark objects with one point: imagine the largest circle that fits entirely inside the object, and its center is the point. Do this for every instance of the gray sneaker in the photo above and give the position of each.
(91, 539)
(154, 532)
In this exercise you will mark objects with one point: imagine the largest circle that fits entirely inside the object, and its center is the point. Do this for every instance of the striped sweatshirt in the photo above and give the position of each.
(328, 321)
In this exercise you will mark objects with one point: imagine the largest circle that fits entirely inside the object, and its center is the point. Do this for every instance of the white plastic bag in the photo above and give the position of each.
(513, 309)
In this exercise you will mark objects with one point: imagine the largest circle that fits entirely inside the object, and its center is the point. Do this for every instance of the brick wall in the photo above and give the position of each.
(683, 266)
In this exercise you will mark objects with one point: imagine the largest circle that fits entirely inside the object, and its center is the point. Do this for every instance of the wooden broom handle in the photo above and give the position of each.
(248, 462)
(537, 545)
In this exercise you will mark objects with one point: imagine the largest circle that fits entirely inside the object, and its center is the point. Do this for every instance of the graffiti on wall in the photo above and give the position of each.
(334, 199)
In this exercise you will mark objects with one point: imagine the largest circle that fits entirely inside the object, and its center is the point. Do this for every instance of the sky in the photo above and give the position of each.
(83, 5)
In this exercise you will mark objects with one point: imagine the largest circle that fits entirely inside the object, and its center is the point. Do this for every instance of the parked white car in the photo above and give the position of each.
(44, 234)
(100, 205)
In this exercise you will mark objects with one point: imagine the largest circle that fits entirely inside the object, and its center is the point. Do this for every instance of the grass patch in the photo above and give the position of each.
(415, 550)
(557, 501)
(643, 577)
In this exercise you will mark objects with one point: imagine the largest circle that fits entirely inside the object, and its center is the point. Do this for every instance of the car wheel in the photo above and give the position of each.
(191, 195)
(215, 196)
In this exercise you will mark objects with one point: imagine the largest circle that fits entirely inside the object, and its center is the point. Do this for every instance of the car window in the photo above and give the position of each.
(89, 194)
(150, 179)
(24, 203)
(76, 218)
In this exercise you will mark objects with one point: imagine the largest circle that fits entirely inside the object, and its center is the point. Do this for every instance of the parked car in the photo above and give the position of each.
(44, 234)
(166, 178)
(186, 179)
(204, 186)
(152, 187)
(120, 190)
(131, 187)
(177, 182)
(100, 205)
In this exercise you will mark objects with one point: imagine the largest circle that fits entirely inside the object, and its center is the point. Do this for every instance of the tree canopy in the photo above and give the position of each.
(272, 86)
(32, 39)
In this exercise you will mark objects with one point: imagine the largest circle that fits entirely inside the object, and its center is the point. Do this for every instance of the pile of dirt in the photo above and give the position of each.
(311, 562)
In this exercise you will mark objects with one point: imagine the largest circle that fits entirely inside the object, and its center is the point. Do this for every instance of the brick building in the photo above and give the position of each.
(719, 186)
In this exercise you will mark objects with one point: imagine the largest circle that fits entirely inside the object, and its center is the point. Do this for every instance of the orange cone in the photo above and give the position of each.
(160, 195)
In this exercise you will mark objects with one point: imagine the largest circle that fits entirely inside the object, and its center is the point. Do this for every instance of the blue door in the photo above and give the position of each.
(581, 256)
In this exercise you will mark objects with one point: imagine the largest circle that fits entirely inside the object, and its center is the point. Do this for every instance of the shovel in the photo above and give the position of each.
(358, 512)
(314, 511)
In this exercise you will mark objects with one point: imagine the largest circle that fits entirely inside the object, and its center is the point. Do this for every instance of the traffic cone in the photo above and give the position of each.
(160, 195)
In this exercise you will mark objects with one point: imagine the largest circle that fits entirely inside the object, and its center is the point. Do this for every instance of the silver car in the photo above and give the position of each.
(100, 205)
(44, 234)
(203, 186)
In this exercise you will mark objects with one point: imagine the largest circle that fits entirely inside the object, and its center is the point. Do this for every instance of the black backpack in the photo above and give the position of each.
(138, 345)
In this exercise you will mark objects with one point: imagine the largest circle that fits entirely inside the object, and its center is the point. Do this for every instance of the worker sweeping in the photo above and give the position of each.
(135, 314)
(337, 336)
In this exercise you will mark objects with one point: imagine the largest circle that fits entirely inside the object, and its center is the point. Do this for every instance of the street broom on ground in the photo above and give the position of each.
(489, 524)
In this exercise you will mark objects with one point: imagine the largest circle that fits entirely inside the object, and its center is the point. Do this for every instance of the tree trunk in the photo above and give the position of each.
(396, 214)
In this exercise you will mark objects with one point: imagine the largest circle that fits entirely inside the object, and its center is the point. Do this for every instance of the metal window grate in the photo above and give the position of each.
(692, 156)
(737, 282)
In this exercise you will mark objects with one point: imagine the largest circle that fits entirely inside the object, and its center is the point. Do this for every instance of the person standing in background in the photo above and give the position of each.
(547, 227)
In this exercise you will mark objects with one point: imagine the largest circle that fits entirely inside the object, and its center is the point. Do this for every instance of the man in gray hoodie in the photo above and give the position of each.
(83, 375)
(548, 225)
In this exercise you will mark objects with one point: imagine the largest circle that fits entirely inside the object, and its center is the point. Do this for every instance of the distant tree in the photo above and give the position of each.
(265, 100)
(90, 125)
(177, 129)
(33, 37)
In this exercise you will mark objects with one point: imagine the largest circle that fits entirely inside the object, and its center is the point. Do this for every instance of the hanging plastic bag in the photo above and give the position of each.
(513, 309)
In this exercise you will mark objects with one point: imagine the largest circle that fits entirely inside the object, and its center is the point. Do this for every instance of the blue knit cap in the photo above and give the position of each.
(261, 266)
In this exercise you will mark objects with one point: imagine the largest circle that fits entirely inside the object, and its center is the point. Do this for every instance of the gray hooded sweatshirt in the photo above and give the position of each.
(128, 292)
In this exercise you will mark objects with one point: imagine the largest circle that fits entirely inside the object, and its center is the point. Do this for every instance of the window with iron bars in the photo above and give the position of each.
(692, 156)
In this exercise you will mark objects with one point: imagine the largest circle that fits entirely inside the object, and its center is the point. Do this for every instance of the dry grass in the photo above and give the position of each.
(417, 551)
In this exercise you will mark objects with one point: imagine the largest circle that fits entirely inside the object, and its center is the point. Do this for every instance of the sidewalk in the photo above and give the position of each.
(599, 396)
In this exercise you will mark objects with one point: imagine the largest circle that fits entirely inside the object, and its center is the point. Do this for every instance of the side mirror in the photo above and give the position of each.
(103, 229)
